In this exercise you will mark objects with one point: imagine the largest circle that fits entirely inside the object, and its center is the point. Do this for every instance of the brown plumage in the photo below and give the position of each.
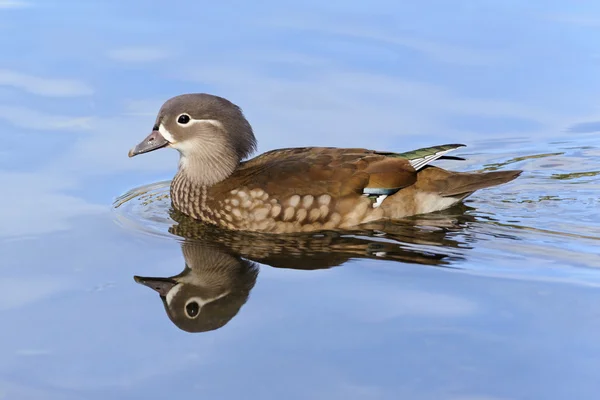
(296, 189)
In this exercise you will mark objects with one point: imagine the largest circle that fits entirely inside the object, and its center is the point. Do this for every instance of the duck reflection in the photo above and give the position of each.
(209, 292)
(221, 267)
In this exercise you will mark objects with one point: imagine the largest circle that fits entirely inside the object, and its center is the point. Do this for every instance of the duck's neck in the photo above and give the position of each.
(208, 168)
(195, 176)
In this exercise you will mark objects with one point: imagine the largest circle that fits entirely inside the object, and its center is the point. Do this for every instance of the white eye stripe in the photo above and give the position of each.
(192, 121)
(213, 122)
(202, 302)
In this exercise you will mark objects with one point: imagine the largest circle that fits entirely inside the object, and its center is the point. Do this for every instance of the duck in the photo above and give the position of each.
(298, 189)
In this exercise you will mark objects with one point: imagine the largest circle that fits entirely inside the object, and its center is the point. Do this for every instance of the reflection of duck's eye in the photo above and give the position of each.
(192, 309)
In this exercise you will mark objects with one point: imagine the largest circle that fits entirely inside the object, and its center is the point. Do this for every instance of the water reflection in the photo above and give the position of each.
(210, 290)
(221, 267)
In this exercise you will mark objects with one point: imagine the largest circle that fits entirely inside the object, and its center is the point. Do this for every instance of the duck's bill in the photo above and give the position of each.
(160, 285)
(153, 141)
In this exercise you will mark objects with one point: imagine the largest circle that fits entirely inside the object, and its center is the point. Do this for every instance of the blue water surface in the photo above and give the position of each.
(494, 301)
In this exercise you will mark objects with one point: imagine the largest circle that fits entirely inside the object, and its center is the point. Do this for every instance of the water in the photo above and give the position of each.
(494, 300)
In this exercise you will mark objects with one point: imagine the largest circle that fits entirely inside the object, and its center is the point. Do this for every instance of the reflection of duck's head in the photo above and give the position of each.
(209, 292)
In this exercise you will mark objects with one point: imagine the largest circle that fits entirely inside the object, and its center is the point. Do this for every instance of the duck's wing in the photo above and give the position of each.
(335, 171)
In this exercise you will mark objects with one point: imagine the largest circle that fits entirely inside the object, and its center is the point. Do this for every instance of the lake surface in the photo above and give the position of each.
(496, 299)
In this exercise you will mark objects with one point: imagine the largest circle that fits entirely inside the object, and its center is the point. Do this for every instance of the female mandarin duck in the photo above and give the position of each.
(295, 189)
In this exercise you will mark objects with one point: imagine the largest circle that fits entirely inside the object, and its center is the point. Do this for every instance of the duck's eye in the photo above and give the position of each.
(183, 119)
(192, 309)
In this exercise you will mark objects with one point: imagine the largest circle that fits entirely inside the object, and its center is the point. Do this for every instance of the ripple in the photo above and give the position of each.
(146, 209)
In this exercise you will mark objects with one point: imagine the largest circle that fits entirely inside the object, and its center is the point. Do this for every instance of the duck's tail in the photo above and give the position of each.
(437, 189)
(451, 184)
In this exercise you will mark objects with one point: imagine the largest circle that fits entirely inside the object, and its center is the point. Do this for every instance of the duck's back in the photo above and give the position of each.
(313, 171)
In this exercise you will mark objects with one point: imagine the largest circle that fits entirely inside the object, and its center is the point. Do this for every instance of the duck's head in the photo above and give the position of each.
(210, 132)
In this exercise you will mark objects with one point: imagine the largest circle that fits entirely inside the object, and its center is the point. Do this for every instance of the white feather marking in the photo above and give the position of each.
(173, 292)
(169, 137)
(166, 134)
(419, 163)
(379, 200)
(202, 302)
(213, 122)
